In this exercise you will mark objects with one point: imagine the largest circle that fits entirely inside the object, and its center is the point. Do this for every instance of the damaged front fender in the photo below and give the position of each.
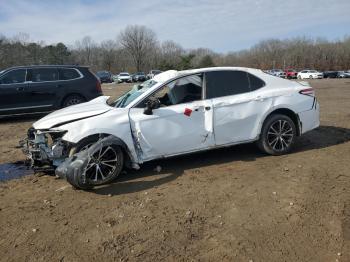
(88, 168)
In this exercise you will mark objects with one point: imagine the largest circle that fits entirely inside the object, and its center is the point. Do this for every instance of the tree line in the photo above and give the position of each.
(137, 48)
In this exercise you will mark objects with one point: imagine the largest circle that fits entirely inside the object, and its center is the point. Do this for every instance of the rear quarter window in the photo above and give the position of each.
(68, 74)
(255, 82)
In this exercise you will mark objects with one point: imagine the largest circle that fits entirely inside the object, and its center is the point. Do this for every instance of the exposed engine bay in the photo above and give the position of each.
(45, 149)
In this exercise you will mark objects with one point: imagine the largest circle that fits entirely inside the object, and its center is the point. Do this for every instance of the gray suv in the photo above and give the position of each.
(35, 89)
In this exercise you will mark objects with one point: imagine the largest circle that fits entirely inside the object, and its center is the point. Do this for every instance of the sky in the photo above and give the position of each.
(221, 25)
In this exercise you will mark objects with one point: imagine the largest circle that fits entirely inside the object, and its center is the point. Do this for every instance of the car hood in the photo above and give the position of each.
(94, 107)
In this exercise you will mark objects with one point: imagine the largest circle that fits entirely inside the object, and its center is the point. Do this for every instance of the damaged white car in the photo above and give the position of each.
(176, 112)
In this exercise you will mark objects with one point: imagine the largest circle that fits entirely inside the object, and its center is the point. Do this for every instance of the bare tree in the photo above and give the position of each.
(86, 47)
(139, 42)
(108, 54)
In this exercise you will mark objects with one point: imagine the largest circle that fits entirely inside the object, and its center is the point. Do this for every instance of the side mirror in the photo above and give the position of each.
(152, 103)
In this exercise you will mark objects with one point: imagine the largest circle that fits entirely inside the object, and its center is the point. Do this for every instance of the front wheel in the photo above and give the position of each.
(102, 167)
(277, 135)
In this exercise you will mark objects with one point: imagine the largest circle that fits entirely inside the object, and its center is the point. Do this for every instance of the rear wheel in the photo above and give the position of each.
(278, 135)
(72, 100)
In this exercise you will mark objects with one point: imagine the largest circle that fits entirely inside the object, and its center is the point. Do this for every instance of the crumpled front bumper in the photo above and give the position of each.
(41, 155)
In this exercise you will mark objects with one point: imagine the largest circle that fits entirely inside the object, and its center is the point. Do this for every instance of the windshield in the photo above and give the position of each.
(134, 93)
(124, 74)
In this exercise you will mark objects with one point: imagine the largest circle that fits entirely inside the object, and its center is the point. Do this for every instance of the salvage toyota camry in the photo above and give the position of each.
(176, 112)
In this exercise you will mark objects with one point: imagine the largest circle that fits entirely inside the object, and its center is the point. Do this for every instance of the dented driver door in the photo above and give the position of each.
(173, 130)
(182, 124)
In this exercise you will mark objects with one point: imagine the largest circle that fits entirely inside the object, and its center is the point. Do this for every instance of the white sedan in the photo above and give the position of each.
(175, 113)
(309, 74)
(124, 77)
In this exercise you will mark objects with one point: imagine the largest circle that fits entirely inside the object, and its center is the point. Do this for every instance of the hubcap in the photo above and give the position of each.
(102, 165)
(73, 101)
(280, 135)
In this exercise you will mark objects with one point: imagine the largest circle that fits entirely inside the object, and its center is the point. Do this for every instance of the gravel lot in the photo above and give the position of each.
(232, 204)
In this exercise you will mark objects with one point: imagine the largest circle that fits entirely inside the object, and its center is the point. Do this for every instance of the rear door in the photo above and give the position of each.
(238, 105)
(43, 87)
(12, 92)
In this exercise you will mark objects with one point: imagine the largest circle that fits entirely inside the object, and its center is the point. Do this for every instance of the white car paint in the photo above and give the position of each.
(309, 74)
(124, 77)
(168, 131)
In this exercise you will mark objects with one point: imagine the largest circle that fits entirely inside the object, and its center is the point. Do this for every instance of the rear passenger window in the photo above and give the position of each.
(255, 82)
(226, 83)
(68, 74)
(44, 74)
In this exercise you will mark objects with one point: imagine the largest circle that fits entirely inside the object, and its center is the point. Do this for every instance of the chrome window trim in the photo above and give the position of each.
(58, 80)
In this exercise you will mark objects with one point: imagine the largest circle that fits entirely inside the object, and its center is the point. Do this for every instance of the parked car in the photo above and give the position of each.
(105, 76)
(277, 72)
(139, 77)
(291, 73)
(175, 113)
(34, 89)
(343, 74)
(115, 78)
(309, 74)
(153, 73)
(124, 77)
(330, 74)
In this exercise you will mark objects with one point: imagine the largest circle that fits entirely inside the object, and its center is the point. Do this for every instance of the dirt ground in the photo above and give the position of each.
(232, 204)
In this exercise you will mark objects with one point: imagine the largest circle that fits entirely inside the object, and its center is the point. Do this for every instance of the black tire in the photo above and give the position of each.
(76, 179)
(281, 128)
(84, 144)
(73, 100)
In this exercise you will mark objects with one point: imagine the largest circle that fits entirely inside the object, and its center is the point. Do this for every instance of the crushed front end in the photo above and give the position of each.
(45, 149)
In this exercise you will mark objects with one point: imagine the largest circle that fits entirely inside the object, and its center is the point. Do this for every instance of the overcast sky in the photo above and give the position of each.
(222, 25)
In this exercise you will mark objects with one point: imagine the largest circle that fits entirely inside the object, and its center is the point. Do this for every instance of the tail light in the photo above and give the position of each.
(307, 92)
(98, 86)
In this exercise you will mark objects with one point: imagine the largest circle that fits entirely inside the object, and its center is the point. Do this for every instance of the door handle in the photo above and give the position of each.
(259, 98)
(201, 107)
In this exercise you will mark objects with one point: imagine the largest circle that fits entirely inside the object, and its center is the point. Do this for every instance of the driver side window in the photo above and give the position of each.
(14, 77)
(183, 90)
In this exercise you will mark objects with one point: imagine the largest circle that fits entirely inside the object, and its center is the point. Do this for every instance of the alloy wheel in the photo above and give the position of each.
(103, 165)
(280, 135)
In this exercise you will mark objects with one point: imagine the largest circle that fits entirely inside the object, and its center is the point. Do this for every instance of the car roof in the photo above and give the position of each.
(174, 73)
(45, 66)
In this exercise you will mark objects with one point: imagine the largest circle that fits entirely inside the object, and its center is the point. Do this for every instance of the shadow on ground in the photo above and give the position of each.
(172, 168)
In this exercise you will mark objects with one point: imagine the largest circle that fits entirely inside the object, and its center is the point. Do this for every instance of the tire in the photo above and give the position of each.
(102, 168)
(299, 77)
(73, 100)
(84, 144)
(277, 135)
(310, 77)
